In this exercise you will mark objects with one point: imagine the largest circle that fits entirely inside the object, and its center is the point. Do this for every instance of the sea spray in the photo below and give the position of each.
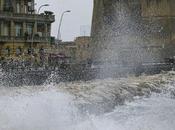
(113, 104)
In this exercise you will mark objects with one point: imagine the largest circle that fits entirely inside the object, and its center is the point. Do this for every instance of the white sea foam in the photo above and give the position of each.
(91, 105)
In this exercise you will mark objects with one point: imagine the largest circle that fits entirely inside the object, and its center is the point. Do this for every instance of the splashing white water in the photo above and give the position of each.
(155, 113)
(41, 111)
(58, 108)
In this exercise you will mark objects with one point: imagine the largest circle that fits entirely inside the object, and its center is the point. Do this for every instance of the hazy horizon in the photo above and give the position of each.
(75, 23)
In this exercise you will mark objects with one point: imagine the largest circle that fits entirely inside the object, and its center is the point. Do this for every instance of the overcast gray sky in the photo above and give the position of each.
(74, 24)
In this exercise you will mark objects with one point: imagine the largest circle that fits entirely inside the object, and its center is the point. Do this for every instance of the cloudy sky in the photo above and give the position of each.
(74, 24)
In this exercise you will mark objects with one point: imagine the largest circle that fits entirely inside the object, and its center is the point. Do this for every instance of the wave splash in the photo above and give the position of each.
(110, 104)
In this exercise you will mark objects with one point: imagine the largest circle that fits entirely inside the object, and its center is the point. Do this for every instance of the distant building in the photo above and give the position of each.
(22, 30)
(68, 49)
(83, 49)
(73, 52)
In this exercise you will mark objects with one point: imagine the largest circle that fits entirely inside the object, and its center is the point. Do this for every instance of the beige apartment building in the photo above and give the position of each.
(83, 49)
(72, 52)
(22, 30)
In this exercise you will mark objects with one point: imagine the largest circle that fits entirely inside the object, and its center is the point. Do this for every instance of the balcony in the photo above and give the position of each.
(27, 17)
(4, 39)
(38, 39)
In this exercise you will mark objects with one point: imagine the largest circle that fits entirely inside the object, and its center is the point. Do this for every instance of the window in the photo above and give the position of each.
(8, 5)
(41, 29)
(48, 29)
(18, 8)
(18, 30)
(30, 7)
(6, 29)
(25, 9)
(30, 28)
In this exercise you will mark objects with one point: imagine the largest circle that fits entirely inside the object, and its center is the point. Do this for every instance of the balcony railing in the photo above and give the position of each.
(38, 39)
(26, 39)
(30, 17)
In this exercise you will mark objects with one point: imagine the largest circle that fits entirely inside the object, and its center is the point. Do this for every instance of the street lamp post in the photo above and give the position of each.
(59, 28)
(41, 7)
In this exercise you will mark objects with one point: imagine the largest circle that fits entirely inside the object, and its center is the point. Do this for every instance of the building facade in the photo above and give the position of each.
(83, 54)
(72, 52)
(22, 30)
(66, 52)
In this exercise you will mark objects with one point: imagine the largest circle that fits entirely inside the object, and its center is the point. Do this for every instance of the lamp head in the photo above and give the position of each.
(68, 11)
(46, 5)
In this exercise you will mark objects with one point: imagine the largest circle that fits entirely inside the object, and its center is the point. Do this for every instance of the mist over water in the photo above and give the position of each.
(142, 103)
(126, 39)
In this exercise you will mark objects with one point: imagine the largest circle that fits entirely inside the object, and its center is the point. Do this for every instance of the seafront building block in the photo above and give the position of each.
(22, 29)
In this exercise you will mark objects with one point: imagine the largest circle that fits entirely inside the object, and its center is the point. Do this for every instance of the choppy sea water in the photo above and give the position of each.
(134, 103)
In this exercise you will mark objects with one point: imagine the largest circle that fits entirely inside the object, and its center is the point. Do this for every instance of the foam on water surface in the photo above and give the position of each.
(76, 106)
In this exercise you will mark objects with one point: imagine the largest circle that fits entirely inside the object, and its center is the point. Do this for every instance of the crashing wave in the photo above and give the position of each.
(101, 96)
